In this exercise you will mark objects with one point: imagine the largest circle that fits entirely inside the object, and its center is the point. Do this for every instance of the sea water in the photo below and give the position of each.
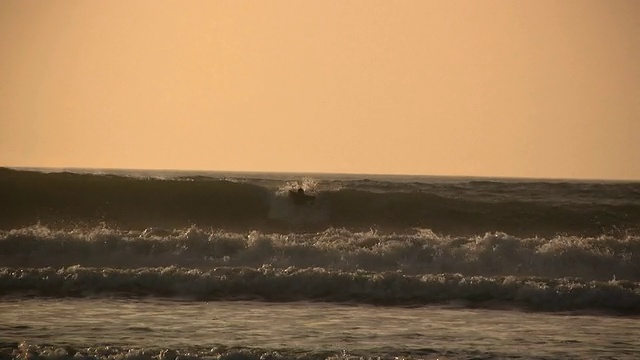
(166, 265)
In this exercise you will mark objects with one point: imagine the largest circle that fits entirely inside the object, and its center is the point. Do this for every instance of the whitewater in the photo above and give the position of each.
(123, 264)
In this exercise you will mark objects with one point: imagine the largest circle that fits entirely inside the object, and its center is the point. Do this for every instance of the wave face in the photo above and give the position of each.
(258, 202)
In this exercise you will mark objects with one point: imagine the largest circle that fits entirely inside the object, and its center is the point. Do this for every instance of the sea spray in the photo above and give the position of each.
(420, 252)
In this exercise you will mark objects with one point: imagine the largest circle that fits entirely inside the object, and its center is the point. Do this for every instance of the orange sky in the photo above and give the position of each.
(485, 88)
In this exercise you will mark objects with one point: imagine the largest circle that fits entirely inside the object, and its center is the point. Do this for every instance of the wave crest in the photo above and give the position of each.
(523, 209)
(602, 257)
(317, 284)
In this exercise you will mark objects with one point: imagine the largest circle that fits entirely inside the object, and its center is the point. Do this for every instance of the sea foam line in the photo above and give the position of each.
(318, 284)
(420, 252)
(34, 351)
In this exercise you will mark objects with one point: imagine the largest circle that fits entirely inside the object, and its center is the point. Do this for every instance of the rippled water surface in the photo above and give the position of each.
(307, 327)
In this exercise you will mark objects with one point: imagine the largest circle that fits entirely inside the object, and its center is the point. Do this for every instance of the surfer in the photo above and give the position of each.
(300, 198)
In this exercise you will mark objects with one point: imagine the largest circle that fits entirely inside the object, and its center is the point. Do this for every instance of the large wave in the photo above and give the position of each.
(523, 209)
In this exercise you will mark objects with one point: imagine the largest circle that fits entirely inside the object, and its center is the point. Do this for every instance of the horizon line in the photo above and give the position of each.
(72, 168)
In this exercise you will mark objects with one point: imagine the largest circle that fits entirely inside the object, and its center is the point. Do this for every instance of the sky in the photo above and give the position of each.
(532, 88)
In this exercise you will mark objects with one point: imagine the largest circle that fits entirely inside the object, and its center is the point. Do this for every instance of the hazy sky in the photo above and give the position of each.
(489, 88)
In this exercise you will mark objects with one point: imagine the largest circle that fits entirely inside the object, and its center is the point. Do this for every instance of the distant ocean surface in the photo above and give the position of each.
(122, 264)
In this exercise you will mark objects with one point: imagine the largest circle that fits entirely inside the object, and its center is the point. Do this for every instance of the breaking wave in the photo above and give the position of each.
(317, 284)
(456, 208)
(547, 246)
(601, 258)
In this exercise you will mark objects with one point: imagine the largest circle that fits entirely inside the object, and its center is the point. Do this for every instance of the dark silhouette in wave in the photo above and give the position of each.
(69, 199)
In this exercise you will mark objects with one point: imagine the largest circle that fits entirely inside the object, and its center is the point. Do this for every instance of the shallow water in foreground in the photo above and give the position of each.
(304, 330)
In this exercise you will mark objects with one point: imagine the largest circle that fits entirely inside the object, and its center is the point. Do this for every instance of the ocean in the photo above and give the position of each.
(125, 264)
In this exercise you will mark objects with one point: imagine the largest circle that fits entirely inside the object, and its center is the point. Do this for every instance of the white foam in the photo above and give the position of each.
(600, 258)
